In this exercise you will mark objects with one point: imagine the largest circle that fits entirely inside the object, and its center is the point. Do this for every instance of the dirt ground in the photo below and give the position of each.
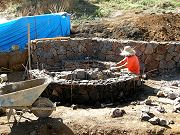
(133, 25)
(89, 121)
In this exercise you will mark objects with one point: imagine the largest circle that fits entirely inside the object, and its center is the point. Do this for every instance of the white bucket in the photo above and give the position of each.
(4, 77)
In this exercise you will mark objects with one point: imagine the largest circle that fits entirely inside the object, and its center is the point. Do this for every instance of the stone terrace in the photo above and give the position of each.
(49, 54)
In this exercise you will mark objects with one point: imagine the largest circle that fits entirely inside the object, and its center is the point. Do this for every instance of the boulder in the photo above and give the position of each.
(2, 111)
(172, 95)
(144, 116)
(146, 109)
(80, 73)
(161, 94)
(171, 122)
(163, 122)
(161, 109)
(148, 101)
(74, 107)
(177, 101)
(117, 113)
(154, 120)
(4, 77)
(177, 108)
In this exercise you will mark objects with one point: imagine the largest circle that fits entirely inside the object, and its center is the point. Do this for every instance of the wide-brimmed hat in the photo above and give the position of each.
(128, 51)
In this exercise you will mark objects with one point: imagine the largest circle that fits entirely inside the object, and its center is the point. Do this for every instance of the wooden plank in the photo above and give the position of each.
(56, 38)
(29, 45)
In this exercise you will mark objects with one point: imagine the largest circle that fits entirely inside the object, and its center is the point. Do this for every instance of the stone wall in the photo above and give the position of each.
(89, 93)
(13, 60)
(83, 86)
(164, 56)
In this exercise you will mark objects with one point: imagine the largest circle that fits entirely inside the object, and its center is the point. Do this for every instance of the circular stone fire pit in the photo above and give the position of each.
(93, 84)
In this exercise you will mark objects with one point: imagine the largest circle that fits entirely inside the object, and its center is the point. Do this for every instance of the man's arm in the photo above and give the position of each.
(120, 67)
(122, 62)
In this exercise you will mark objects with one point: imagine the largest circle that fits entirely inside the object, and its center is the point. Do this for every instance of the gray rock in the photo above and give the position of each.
(172, 95)
(74, 107)
(163, 122)
(161, 94)
(146, 109)
(148, 101)
(171, 122)
(93, 75)
(177, 108)
(154, 120)
(161, 109)
(117, 113)
(80, 73)
(135, 103)
(175, 84)
(177, 101)
(2, 111)
(144, 116)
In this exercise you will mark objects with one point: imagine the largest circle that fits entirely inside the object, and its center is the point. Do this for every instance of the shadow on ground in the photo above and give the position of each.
(47, 126)
(141, 95)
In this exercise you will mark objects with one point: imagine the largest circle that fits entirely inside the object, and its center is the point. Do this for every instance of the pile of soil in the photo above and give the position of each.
(146, 27)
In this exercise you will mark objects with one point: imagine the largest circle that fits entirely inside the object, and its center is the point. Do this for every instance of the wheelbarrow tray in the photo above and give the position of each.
(22, 94)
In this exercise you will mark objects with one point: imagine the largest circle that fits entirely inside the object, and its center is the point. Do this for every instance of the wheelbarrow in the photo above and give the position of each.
(24, 96)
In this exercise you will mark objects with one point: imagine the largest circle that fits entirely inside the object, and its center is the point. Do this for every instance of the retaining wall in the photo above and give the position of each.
(85, 93)
(13, 60)
(164, 56)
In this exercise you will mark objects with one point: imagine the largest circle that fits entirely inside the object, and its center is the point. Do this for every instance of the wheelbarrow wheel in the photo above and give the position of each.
(40, 103)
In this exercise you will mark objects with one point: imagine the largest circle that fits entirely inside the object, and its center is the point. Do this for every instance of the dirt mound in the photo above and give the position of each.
(147, 27)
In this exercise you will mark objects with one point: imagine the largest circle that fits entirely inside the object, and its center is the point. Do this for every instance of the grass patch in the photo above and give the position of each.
(156, 5)
(91, 9)
(88, 9)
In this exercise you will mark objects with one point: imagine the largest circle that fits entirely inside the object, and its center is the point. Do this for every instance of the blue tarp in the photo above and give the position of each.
(15, 32)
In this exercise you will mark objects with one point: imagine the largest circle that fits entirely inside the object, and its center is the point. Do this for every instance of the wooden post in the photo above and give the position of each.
(29, 47)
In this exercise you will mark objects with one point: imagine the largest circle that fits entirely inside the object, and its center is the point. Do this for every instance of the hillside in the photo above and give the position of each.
(85, 9)
(146, 27)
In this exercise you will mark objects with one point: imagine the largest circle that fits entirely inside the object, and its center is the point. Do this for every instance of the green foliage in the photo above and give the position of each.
(131, 4)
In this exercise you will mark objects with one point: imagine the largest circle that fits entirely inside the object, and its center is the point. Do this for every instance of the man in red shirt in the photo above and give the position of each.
(130, 61)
